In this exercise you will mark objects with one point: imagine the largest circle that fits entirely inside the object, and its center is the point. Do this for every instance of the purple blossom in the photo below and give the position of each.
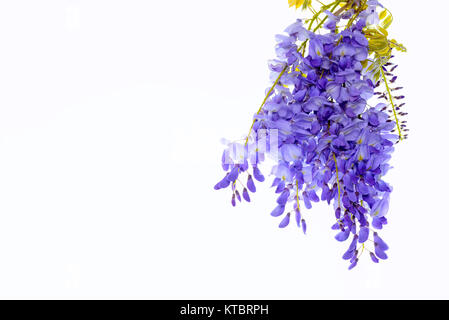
(333, 145)
(284, 223)
(250, 184)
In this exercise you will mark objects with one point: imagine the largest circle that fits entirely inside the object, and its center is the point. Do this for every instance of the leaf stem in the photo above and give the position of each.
(392, 103)
(297, 194)
(359, 10)
(264, 101)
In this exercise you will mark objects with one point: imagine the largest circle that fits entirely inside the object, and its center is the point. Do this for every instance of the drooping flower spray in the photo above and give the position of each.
(330, 119)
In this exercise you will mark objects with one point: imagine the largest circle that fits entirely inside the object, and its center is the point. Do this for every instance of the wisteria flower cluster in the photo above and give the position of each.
(331, 119)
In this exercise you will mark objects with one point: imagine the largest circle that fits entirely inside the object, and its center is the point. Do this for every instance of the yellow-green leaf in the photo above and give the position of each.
(387, 21)
(383, 14)
(296, 3)
(383, 31)
(398, 46)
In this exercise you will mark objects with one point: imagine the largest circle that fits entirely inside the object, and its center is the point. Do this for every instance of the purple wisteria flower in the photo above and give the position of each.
(332, 143)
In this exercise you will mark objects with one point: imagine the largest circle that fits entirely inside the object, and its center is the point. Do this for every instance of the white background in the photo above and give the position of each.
(111, 114)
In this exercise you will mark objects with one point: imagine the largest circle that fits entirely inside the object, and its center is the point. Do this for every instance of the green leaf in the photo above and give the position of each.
(304, 4)
(386, 19)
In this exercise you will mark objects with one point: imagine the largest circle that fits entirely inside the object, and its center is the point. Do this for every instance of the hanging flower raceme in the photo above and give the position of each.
(330, 120)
